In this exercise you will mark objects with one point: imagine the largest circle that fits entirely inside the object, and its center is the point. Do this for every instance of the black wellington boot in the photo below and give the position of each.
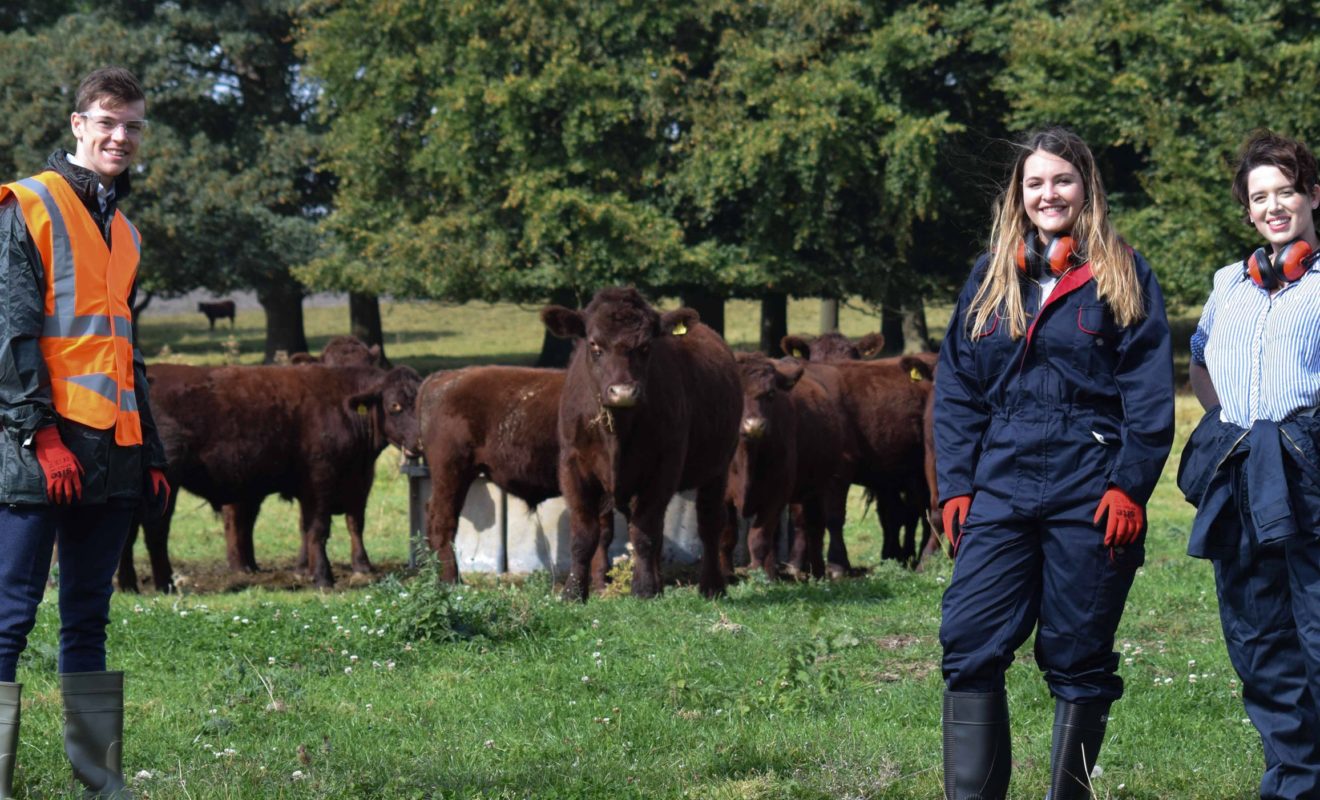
(977, 746)
(1079, 731)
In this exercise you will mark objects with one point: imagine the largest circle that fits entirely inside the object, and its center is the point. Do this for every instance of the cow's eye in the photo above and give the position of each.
(395, 408)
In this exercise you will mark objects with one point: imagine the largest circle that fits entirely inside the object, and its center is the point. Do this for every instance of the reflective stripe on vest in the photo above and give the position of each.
(87, 335)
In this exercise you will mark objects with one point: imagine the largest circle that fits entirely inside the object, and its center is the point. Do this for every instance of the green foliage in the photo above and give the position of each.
(811, 670)
(1166, 94)
(431, 610)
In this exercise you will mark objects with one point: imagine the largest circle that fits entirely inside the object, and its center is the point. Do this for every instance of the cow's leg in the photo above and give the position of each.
(711, 514)
(585, 499)
(797, 543)
(315, 534)
(449, 488)
(128, 580)
(729, 542)
(355, 520)
(600, 562)
(646, 531)
(240, 519)
(156, 534)
(812, 517)
(761, 538)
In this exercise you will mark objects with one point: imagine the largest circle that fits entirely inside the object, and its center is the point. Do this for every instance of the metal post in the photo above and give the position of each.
(419, 479)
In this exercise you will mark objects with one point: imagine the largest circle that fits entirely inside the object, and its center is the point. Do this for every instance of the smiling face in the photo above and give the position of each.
(1052, 193)
(1278, 209)
(106, 145)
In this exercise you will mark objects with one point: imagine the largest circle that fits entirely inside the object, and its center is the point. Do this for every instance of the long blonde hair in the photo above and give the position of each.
(1112, 262)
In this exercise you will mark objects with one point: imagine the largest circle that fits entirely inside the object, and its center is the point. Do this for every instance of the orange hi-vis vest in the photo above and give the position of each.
(87, 338)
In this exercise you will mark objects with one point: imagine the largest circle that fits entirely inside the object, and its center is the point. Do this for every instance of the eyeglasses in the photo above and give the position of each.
(108, 125)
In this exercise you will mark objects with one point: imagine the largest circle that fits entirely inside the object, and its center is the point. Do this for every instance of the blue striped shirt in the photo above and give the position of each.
(1262, 352)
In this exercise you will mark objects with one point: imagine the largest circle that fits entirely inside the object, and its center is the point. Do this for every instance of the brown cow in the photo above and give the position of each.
(234, 435)
(900, 507)
(499, 422)
(650, 406)
(343, 351)
(793, 448)
(217, 309)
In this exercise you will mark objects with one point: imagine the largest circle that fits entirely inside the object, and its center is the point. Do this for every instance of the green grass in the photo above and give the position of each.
(496, 689)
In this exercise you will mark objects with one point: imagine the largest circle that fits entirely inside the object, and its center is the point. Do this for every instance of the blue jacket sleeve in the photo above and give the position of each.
(154, 451)
(961, 412)
(1144, 374)
(25, 399)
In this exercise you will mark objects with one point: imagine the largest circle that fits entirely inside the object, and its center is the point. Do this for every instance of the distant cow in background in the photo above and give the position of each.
(217, 309)
(235, 435)
(343, 351)
(651, 406)
(830, 347)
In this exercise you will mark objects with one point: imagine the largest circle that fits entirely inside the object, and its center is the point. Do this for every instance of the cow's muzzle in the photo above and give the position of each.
(753, 427)
(622, 395)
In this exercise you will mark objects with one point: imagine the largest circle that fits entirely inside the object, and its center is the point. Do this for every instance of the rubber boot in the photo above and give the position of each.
(1079, 731)
(94, 731)
(9, 713)
(977, 746)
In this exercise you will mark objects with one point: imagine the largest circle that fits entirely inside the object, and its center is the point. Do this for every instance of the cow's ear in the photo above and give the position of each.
(917, 368)
(788, 371)
(303, 358)
(679, 321)
(363, 403)
(796, 347)
(565, 323)
(374, 352)
(871, 344)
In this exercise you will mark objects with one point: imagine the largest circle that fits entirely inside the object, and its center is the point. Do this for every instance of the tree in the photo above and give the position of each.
(226, 191)
(501, 150)
(1165, 95)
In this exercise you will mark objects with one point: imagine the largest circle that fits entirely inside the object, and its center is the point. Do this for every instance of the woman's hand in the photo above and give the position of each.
(1126, 518)
(955, 514)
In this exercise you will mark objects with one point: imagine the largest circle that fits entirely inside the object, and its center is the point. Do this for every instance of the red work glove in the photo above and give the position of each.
(160, 488)
(955, 514)
(63, 472)
(1126, 518)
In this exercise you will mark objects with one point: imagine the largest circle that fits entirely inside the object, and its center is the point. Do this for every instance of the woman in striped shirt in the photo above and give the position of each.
(1251, 466)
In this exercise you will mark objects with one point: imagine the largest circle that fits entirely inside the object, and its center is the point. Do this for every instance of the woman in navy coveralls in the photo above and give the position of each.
(1252, 466)
(1053, 419)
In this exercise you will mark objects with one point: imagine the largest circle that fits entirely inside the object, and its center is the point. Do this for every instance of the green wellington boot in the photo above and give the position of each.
(94, 731)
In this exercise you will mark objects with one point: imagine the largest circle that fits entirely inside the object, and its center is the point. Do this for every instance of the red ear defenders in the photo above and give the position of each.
(1059, 255)
(1290, 264)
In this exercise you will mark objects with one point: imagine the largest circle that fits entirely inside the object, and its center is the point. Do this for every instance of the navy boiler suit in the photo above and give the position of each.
(1036, 430)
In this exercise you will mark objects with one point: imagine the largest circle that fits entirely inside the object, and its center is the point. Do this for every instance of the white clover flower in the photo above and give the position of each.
(586, 679)
(348, 670)
(270, 660)
(298, 775)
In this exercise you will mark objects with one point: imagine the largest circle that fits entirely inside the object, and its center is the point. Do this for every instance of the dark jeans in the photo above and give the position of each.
(90, 539)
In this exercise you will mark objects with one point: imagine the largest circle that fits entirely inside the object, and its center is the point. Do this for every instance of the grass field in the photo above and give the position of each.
(401, 689)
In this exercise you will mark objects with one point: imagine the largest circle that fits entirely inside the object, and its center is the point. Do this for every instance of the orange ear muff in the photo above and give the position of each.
(1290, 264)
(1058, 257)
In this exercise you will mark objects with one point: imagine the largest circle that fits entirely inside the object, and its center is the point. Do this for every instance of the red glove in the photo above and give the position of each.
(955, 514)
(1126, 518)
(63, 472)
(159, 487)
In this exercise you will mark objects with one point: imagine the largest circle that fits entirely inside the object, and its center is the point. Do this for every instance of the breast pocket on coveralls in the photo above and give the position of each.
(1094, 339)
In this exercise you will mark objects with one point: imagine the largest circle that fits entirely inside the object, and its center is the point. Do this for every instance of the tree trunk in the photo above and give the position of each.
(774, 323)
(364, 321)
(916, 338)
(284, 319)
(138, 308)
(891, 325)
(829, 315)
(555, 351)
(709, 305)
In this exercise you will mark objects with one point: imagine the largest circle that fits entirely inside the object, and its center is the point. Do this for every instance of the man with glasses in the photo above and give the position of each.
(79, 450)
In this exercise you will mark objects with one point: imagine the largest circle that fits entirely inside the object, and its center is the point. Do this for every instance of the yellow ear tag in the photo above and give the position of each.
(680, 329)
(362, 409)
(916, 374)
(797, 353)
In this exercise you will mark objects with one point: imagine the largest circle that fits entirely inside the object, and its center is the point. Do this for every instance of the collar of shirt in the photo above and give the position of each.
(103, 195)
